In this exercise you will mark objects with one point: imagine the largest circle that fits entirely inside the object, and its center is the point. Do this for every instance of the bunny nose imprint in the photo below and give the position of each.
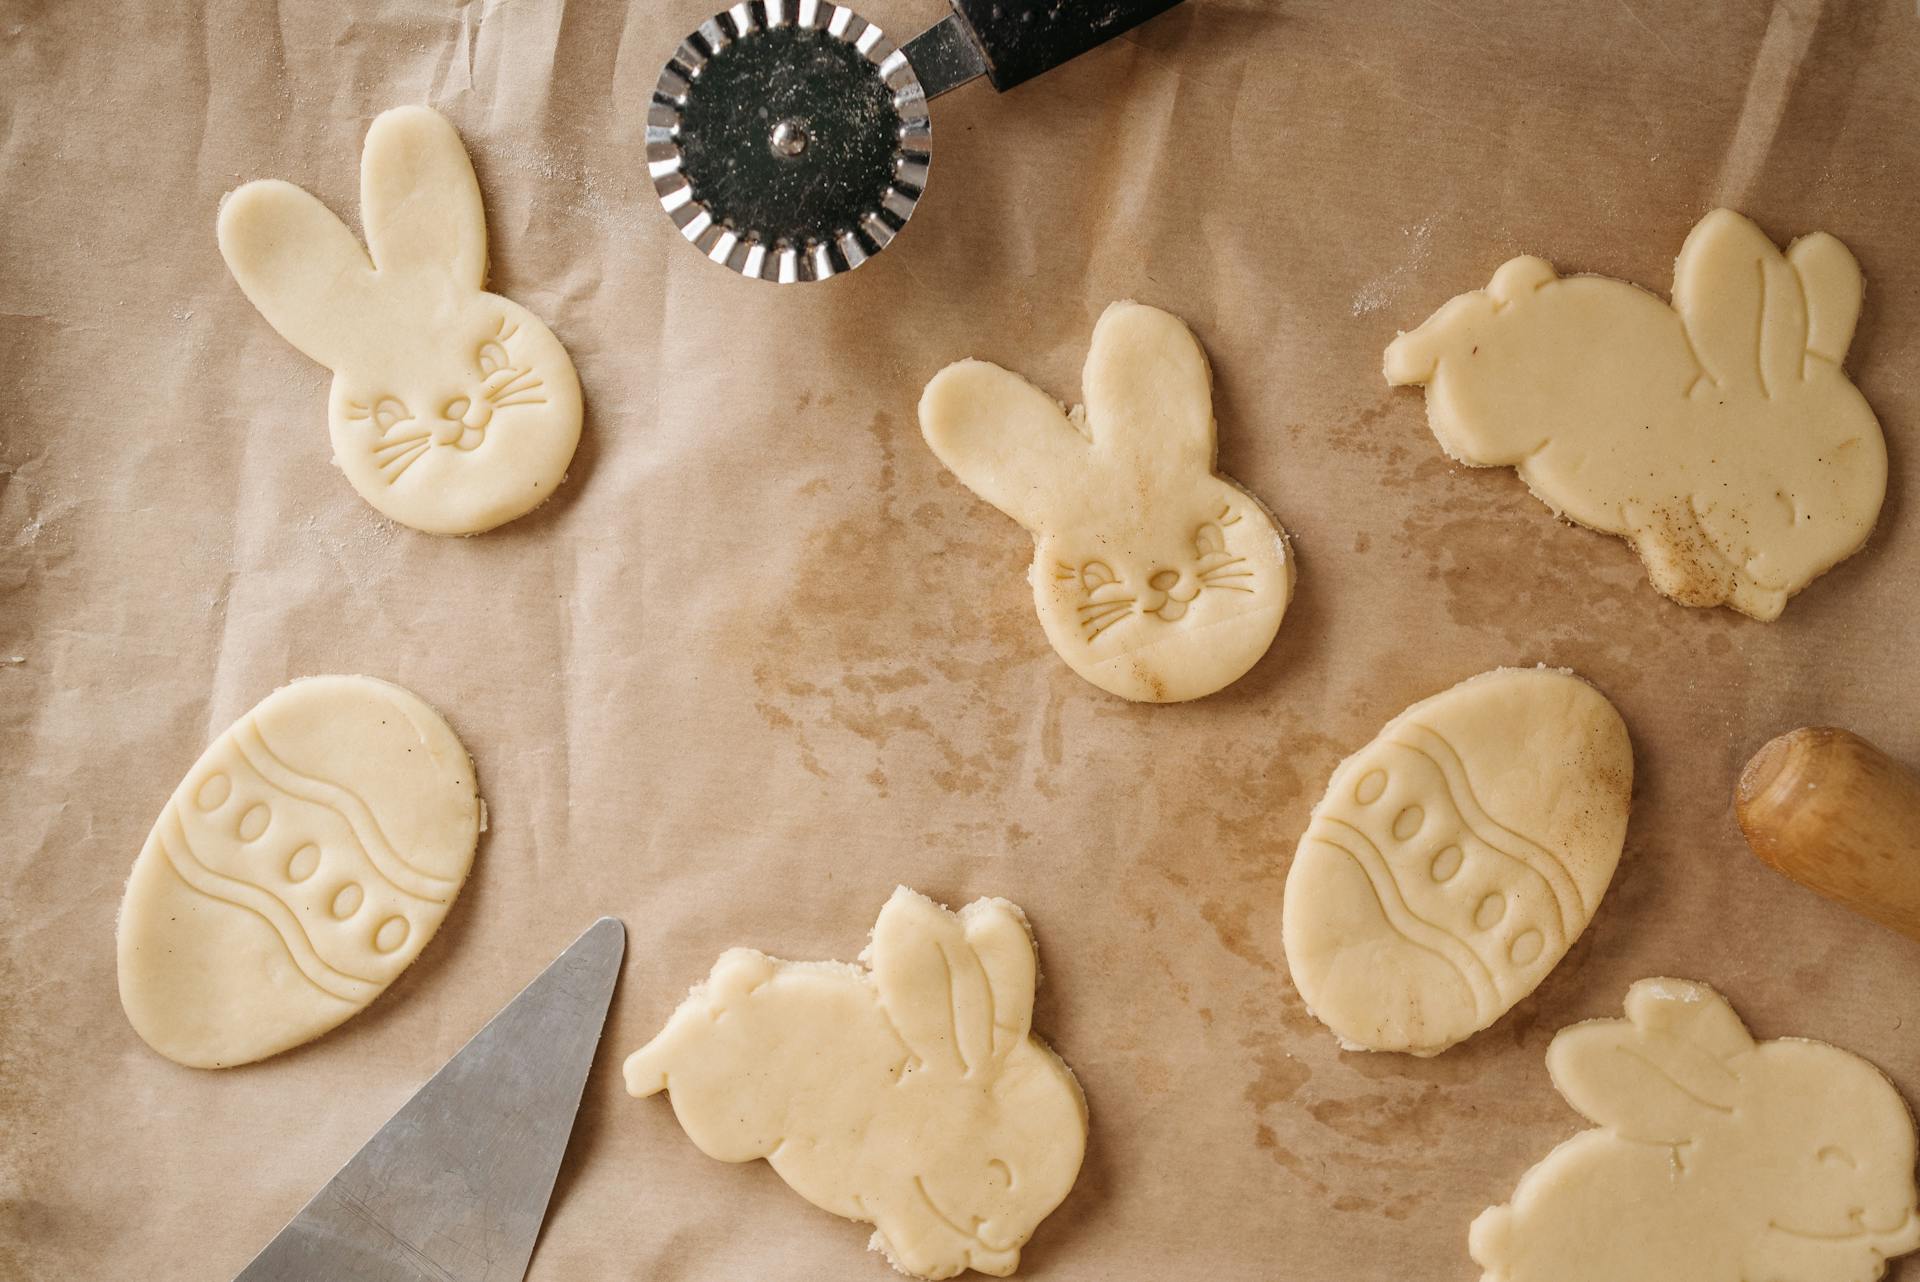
(1172, 604)
(463, 422)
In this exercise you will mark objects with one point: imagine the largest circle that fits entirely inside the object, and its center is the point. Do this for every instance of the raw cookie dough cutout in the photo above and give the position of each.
(1715, 1159)
(910, 1093)
(1719, 436)
(453, 410)
(1455, 859)
(302, 864)
(1155, 578)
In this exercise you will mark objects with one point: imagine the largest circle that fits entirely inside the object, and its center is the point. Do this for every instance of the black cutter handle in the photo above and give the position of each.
(1022, 38)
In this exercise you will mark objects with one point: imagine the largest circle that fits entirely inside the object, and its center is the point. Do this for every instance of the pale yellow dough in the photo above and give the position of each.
(1715, 1158)
(303, 862)
(911, 1094)
(1719, 436)
(453, 410)
(1155, 578)
(1455, 859)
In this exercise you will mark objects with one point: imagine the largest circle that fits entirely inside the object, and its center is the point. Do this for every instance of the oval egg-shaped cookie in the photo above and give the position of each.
(1455, 859)
(307, 857)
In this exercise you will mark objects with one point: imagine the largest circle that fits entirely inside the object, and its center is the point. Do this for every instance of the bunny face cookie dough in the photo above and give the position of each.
(1155, 578)
(910, 1094)
(1719, 436)
(1716, 1158)
(302, 864)
(1455, 859)
(453, 410)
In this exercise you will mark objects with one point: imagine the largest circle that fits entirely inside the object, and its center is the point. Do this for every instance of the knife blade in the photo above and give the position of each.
(454, 1187)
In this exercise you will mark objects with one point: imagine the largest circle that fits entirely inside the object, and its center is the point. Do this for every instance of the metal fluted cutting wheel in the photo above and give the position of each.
(789, 139)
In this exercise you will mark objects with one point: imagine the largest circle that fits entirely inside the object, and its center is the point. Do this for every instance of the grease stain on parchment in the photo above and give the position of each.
(863, 702)
(1543, 588)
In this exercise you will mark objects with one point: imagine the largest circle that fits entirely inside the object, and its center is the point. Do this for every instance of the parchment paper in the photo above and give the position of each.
(762, 658)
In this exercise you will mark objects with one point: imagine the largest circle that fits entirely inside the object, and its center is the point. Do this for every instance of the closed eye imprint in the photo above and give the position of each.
(386, 414)
(389, 413)
(492, 358)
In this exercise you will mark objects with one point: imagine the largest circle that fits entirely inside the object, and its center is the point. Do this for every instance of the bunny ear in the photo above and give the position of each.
(1149, 392)
(1661, 1075)
(419, 199)
(932, 985)
(1007, 440)
(1001, 940)
(1741, 304)
(1830, 277)
(1690, 1013)
(298, 264)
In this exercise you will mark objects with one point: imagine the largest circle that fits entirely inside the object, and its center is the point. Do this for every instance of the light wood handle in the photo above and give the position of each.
(1839, 816)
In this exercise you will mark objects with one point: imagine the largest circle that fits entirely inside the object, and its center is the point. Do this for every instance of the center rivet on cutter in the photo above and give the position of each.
(789, 138)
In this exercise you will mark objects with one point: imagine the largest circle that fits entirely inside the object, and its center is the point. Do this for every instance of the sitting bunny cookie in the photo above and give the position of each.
(1719, 436)
(912, 1095)
(1155, 578)
(453, 410)
(1716, 1158)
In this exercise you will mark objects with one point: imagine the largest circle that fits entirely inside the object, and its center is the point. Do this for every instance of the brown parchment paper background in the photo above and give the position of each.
(762, 658)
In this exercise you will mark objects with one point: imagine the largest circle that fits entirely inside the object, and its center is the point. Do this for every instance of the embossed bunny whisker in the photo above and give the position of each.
(410, 460)
(399, 445)
(1217, 576)
(516, 390)
(522, 380)
(405, 459)
(1098, 622)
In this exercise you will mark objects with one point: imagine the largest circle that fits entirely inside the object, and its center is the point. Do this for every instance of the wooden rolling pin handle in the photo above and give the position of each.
(1839, 816)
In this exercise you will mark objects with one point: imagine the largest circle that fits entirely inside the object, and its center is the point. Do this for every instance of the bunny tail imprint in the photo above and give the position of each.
(453, 410)
(1719, 436)
(909, 1093)
(301, 865)
(1715, 1158)
(1455, 859)
(1155, 578)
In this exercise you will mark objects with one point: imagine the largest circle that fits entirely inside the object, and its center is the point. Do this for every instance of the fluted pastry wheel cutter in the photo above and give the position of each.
(790, 140)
